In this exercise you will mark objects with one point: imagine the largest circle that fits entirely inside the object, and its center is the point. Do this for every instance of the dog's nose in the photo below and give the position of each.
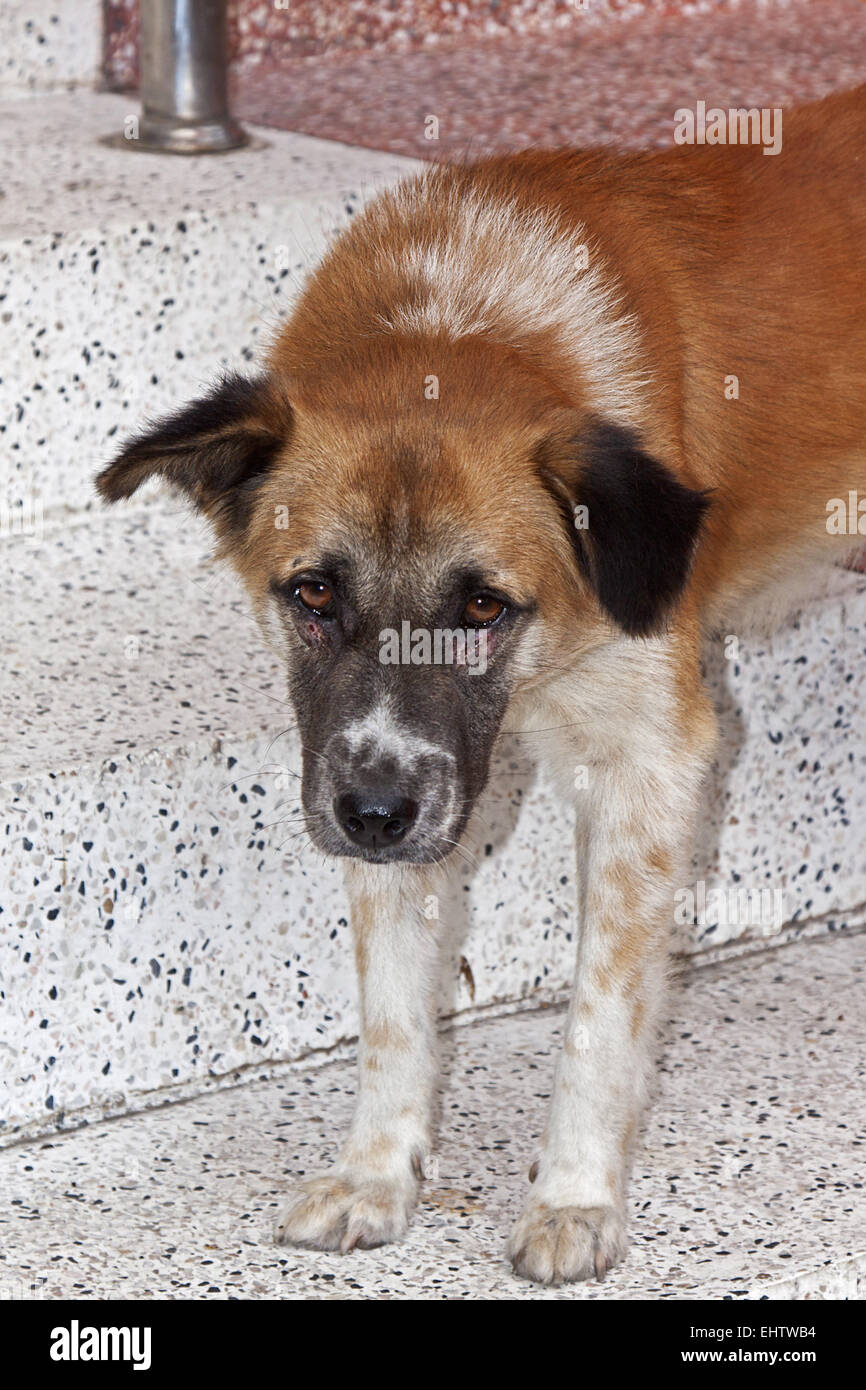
(375, 819)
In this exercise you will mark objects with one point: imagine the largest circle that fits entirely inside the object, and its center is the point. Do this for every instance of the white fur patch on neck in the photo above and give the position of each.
(490, 266)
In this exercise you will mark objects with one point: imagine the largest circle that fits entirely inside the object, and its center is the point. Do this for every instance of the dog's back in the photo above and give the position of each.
(719, 311)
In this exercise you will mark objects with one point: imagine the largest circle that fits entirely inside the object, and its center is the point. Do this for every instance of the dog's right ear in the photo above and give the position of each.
(217, 450)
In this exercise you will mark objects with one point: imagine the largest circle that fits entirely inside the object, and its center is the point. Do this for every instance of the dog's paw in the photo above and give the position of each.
(557, 1245)
(340, 1212)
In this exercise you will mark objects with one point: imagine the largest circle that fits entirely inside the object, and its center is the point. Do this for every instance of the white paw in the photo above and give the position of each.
(340, 1212)
(557, 1245)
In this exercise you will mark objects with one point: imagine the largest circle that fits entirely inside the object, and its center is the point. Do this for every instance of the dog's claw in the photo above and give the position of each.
(533, 1171)
(600, 1265)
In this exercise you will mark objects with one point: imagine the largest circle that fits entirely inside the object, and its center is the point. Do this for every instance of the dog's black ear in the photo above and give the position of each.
(217, 450)
(633, 525)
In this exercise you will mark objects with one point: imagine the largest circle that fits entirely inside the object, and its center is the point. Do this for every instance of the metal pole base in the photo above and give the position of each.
(162, 135)
(184, 82)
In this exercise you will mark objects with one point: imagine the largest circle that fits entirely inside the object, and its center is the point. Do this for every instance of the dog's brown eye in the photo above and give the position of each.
(317, 597)
(482, 609)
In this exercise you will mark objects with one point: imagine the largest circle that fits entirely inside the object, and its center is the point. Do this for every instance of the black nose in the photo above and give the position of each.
(375, 819)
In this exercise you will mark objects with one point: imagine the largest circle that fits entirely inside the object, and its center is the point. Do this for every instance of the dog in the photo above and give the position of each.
(574, 411)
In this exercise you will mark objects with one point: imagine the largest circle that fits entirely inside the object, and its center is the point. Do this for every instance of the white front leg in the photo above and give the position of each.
(633, 838)
(368, 1196)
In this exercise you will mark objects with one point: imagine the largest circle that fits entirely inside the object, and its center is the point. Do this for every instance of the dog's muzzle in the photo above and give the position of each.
(384, 799)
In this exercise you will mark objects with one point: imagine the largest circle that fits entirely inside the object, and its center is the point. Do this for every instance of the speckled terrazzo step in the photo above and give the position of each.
(164, 926)
(749, 1178)
(46, 45)
(128, 279)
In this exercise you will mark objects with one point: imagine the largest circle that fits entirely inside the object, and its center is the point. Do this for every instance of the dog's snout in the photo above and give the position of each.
(383, 792)
(375, 819)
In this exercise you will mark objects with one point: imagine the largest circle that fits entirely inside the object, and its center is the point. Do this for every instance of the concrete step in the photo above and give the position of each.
(164, 926)
(749, 1178)
(129, 279)
(49, 47)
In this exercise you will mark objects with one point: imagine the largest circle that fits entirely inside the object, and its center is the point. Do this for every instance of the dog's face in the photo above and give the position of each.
(416, 559)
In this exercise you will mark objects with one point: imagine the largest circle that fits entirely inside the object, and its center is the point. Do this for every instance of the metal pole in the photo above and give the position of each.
(184, 86)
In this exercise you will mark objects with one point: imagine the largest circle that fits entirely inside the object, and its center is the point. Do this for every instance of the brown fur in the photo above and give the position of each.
(733, 263)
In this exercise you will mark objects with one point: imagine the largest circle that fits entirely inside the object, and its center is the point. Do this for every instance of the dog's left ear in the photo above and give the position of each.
(217, 450)
(633, 525)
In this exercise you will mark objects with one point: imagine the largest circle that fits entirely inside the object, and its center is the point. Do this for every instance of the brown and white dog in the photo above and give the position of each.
(503, 407)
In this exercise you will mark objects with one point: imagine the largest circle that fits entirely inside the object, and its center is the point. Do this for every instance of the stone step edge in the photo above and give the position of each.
(346, 1048)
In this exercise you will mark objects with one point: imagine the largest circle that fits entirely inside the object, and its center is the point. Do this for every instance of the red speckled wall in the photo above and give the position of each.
(330, 28)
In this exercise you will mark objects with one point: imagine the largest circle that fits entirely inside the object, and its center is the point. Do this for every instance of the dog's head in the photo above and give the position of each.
(425, 525)
(418, 563)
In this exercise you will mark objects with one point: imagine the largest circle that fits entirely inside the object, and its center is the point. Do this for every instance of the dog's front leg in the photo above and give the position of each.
(634, 832)
(368, 1196)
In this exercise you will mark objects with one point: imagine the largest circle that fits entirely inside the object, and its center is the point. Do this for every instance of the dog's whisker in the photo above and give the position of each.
(275, 769)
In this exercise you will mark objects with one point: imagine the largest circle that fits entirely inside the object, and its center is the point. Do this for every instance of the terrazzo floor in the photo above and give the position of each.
(617, 82)
(749, 1182)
